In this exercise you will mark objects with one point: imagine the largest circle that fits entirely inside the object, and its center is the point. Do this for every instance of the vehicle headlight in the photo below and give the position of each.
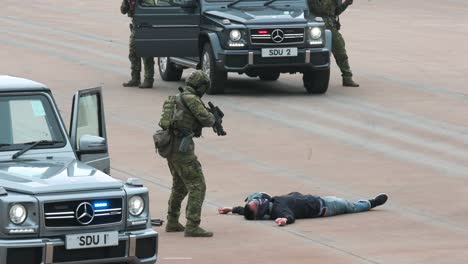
(136, 205)
(235, 35)
(315, 33)
(18, 214)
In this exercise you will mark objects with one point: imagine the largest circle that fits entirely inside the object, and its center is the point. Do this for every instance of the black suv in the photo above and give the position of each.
(261, 38)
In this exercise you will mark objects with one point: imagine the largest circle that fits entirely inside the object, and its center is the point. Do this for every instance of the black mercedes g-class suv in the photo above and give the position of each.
(261, 38)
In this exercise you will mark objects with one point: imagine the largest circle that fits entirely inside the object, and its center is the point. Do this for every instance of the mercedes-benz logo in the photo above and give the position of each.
(277, 35)
(84, 213)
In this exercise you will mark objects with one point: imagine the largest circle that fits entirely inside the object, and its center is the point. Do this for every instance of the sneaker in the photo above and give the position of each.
(197, 232)
(378, 200)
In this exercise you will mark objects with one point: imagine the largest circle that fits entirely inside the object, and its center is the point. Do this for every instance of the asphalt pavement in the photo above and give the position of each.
(404, 131)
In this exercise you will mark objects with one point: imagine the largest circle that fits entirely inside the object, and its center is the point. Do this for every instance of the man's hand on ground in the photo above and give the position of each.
(224, 210)
(281, 221)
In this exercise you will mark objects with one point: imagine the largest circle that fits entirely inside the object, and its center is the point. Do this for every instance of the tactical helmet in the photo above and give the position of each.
(199, 81)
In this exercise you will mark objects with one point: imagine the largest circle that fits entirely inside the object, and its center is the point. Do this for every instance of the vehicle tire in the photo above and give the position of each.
(217, 77)
(168, 71)
(316, 82)
(251, 74)
(269, 76)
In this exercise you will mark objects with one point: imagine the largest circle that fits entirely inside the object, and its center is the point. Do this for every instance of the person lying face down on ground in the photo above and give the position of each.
(285, 209)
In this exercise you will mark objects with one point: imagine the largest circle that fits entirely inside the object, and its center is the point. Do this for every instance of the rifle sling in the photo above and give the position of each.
(185, 105)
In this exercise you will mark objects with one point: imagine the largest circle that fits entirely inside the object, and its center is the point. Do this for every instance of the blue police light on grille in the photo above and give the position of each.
(100, 205)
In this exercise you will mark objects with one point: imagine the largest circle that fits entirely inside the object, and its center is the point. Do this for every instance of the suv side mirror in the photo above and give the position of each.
(92, 145)
(189, 4)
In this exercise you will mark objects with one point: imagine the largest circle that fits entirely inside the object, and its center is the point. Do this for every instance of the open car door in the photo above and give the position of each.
(167, 28)
(88, 129)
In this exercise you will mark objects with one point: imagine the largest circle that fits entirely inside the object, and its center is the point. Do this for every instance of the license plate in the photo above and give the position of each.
(279, 52)
(91, 240)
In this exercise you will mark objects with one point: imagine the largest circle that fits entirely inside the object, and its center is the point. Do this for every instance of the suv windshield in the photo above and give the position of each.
(26, 119)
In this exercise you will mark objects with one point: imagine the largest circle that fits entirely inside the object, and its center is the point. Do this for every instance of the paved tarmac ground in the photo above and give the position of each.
(404, 131)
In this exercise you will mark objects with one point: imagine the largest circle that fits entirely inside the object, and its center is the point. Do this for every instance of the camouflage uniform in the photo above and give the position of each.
(329, 10)
(135, 61)
(187, 175)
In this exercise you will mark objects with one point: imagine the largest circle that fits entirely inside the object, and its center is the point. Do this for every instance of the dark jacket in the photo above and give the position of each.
(292, 206)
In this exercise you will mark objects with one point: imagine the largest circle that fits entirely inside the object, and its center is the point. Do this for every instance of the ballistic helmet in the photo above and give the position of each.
(199, 81)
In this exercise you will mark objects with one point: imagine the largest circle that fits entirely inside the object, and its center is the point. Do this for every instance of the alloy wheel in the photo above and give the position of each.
(206, 63)
(163, 63)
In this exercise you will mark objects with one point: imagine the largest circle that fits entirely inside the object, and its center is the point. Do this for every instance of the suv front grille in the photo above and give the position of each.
(277, 36)
(83, 212)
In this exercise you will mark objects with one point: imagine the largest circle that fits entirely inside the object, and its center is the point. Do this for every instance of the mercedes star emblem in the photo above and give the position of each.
(84, 213)
(277, 35)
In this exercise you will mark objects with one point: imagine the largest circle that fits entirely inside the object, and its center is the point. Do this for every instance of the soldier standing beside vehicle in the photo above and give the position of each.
(128, 7)
(183, 118)
(329, 10)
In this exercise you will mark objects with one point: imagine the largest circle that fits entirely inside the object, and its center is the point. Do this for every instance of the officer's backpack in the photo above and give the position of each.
(167, 115)
(162, 138)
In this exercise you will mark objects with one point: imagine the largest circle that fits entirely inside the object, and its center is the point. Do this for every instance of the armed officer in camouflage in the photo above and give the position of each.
(189, 117)
(128, 7)
(329, 10)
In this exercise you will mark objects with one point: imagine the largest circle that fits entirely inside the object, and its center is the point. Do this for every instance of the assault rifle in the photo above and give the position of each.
(218, 114)
(217, 128)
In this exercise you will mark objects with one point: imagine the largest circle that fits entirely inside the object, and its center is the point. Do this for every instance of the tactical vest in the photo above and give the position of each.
(183, 117)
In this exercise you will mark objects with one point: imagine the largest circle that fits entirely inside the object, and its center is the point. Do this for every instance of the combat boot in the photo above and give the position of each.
(134, 82)
(378, 200)
(348, 81)
(147, 83)
(174, 227)
(197, 232)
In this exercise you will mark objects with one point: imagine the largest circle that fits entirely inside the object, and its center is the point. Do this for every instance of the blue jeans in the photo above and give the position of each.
(337, 206)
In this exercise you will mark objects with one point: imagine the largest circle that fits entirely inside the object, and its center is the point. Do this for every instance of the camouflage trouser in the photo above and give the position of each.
(339, 52)
(135, 61)
(187, 178)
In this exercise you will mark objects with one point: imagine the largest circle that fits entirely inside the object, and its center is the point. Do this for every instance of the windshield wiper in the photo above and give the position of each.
(4, 145)
(233, 3)
(268, 2)
(34, 144)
